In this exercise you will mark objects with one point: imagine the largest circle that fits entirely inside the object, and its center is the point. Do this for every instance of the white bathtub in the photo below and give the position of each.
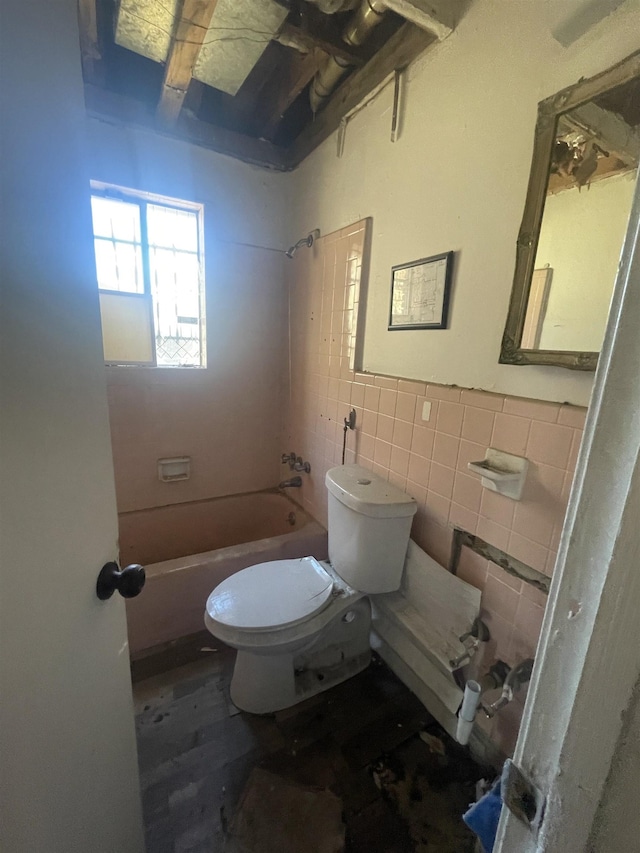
(187, 549)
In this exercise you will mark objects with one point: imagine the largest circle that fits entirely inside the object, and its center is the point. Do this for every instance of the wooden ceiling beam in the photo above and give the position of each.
(302, 70)
(405, 45)
(122, 110)
(90, 52)
(193, 23)
(303, 39)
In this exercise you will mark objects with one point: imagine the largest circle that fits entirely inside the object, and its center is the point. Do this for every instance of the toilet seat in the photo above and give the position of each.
(270, 596)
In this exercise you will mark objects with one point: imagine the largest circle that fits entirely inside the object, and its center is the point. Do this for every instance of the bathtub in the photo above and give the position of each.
(189, 548)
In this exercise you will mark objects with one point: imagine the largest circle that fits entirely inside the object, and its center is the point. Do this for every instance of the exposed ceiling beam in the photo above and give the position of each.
(194, 19)
(119, 109)
(403, 47)
(89, 48)
(301, 71)
(612, 132)
(302, 39)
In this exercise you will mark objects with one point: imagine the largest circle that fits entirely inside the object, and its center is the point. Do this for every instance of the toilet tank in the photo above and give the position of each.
(369, 525)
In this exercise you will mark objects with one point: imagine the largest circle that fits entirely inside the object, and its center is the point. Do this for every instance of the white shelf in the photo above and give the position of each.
(501, 472)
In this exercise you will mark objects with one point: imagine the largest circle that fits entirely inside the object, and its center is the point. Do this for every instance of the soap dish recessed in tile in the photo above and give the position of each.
(501, 472)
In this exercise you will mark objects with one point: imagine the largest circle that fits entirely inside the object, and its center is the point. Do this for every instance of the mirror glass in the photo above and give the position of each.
(588, 199)
(582, 182)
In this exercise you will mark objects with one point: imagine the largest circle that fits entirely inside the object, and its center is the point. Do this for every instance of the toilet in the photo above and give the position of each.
(301, 626)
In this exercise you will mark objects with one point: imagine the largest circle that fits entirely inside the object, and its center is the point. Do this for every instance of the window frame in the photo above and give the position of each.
(100, 189)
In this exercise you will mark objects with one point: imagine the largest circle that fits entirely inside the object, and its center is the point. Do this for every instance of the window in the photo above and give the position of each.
(149, 264)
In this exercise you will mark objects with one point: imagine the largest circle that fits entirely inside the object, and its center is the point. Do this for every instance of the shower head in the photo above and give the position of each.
(304, 241)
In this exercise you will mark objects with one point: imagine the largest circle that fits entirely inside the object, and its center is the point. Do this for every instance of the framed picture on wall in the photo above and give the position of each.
(420, 293)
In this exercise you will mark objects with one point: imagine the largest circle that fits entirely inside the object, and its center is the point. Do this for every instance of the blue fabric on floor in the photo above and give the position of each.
(484, 815)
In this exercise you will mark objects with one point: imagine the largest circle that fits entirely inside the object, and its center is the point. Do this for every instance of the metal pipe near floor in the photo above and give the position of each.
(368, 15)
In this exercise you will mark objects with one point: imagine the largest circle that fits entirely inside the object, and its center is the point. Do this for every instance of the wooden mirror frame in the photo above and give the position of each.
(511, 351)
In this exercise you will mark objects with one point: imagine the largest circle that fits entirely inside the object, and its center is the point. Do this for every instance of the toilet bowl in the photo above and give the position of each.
(301, 626)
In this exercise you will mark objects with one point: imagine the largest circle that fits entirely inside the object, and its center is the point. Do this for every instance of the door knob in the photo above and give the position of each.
(128, 582)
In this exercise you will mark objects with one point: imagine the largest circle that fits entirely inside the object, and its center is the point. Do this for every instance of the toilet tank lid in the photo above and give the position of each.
(368, 494)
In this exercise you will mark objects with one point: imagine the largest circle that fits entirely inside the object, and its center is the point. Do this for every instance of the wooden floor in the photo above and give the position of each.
(201, 760)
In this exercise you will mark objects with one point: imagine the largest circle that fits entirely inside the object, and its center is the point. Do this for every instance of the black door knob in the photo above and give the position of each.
(128, 582)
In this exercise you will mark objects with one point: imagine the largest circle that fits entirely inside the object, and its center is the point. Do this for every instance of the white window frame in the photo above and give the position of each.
(142, 199)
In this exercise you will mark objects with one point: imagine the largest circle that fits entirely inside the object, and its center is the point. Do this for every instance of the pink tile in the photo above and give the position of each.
(469, 452)
(542, 505)
(482, 400)
(444, 392)
(533, 594)
(372, 398)
(511, 433)
(416, 490)
(497, 508)
(501, 632)
(366, 445)
(382, 453)
(467, 491)
(529, 618)
(380, 470)
(418, 469)
(398, 480)
(388, 399)
(399, 461)
(478, 425)
(499, 573)
(450, 417)
(369, 422)
(465, 519)
(445, 449)
(365, 378)
(493, 533)
(422, 441)
(357, 394)
(533, 409)
(385, 428)
(573, 416)
(441, 480)
(437, 542)
(406, 406)
(412, 387)
(386, 382)
(344, 391)
(550, 444)
(550, 565)
(439, 505)
(332, 388)
(531, 553)
(402, 434)
(500, 599)
(472, 568)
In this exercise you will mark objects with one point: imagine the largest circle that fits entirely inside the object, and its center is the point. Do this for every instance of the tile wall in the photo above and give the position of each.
(420, 436)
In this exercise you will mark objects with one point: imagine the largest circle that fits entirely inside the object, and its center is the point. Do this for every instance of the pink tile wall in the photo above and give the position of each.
(226, 417)
(420, 436)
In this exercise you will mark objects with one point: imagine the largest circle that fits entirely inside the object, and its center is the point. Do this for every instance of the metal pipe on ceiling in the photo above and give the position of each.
(368, 15)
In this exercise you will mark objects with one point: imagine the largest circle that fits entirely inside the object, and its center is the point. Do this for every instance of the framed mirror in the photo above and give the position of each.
(583, 172)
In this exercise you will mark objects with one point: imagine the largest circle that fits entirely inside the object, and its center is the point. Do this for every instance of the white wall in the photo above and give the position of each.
(225, 417)
(580, 239)
(456, 179)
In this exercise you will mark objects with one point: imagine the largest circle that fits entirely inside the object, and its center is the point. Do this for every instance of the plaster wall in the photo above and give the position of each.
(456, 179)
(226, 417)
(580, 240)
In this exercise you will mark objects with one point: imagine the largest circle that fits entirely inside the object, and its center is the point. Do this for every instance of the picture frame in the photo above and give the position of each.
(420, 293)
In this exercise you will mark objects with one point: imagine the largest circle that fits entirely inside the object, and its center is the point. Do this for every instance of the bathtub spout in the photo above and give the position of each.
(293, 483)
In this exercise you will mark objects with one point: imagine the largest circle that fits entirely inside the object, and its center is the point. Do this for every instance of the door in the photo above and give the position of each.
(69, 779)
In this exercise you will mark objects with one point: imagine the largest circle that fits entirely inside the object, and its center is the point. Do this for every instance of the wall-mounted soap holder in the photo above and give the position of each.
(502, 472)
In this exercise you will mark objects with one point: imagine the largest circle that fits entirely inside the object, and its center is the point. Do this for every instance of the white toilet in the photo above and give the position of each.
(301, 626)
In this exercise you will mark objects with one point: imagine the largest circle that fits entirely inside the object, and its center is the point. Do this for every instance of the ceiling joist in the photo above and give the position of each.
(301, 72)
(193, 23)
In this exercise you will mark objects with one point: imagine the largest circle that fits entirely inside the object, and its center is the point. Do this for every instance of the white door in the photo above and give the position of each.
(68, 769)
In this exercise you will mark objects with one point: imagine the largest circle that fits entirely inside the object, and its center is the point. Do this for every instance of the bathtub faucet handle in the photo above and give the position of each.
(289, 458)
(302, 466)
